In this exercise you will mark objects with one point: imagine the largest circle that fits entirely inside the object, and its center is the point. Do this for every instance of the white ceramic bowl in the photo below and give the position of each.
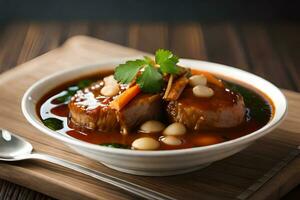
(156, 163)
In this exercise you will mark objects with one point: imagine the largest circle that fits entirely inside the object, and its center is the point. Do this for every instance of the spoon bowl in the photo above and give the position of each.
(12, 146)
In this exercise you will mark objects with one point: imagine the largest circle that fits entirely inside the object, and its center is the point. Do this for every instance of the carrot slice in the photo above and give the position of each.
(210, 78)
(124, 98)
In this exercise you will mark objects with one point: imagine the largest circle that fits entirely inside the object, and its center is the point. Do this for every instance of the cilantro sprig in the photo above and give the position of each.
(167, 61)
(125, 73)
(151, 80)
(147, 72)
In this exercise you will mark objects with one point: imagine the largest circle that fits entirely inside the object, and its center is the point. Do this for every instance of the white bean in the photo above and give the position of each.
(197, 80)
(171, 140)
(202, 91)
(175, 129)
(145, 143)
(110, 80)
(110, 90)
(152, 126)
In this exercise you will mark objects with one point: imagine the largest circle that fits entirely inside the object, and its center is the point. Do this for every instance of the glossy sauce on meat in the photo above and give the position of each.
(222, 96)
(50, 107)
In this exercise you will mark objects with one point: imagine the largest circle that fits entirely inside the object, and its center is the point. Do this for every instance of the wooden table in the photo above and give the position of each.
(269, 50)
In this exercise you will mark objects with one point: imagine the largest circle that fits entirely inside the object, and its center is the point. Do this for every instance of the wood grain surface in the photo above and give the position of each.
(267, 50)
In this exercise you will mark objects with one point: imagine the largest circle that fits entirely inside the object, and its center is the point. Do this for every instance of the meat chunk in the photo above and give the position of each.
(142, 108)
(90, 110)
(223, 110)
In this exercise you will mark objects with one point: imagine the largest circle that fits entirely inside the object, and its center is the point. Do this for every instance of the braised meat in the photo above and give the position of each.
(224, 109)
(90, 110)
(142, 108)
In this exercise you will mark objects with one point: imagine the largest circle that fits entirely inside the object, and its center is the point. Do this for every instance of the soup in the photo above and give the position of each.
(154, 108)
(54, 112)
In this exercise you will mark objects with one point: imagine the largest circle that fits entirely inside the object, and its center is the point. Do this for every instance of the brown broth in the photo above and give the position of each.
(61, 110)
(49, 107)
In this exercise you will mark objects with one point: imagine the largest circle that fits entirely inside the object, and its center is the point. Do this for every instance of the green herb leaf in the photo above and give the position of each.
(53, 123)
(258, 108)
(151, 81)
(84, 83)
(167, 61)
(64, 98)
(149, 60)
(115, 145)
(69, 93)
(125, 73)
(72, 90)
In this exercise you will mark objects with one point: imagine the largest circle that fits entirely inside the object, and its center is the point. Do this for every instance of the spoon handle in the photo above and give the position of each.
(120, 183)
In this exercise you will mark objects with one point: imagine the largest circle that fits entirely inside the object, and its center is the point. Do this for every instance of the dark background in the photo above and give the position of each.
(149, 10)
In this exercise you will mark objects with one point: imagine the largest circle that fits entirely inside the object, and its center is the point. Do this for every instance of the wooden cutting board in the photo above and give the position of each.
(266, 170)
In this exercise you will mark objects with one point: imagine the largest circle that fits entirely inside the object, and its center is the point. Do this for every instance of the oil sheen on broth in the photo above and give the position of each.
(54, 108)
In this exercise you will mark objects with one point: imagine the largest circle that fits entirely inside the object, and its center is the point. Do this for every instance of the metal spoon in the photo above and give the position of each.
(15, 148)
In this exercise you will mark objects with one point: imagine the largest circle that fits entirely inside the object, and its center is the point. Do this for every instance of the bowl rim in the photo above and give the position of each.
(272, 124)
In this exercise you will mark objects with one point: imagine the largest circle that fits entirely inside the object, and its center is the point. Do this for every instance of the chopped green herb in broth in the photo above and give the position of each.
(116, 145)
(53, 123)
(259, 109)
(72, 90)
